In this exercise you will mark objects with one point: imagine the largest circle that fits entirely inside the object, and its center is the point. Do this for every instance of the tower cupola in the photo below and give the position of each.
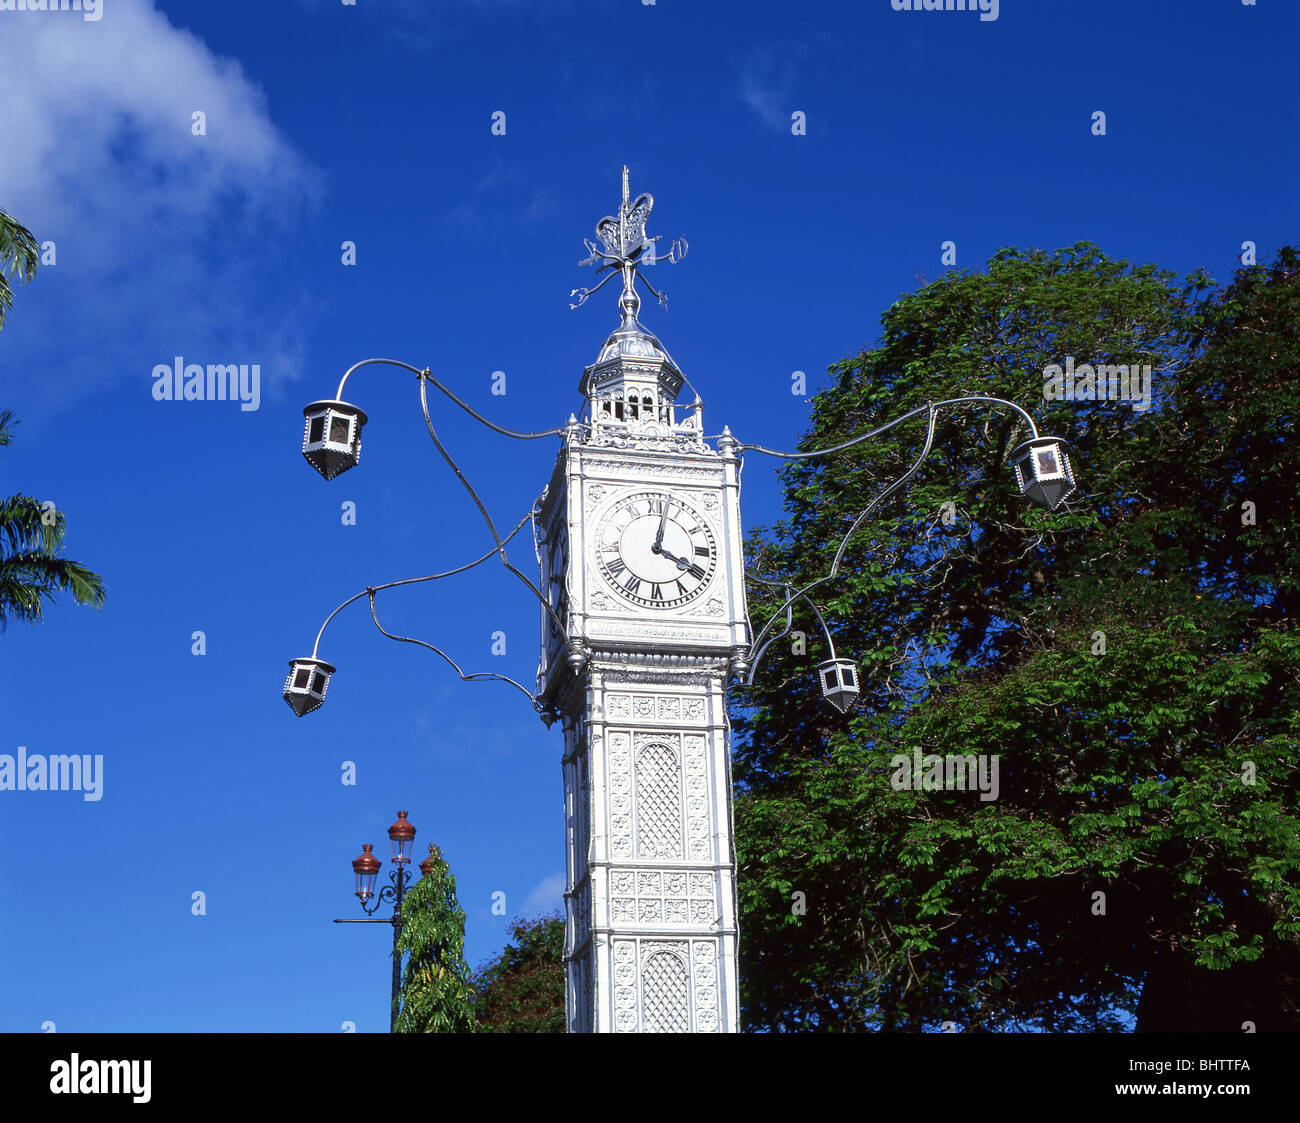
(632, 387)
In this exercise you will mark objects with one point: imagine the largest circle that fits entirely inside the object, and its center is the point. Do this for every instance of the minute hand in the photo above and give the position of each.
(659, 538)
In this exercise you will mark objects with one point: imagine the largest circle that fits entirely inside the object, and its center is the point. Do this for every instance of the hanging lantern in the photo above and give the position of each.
(364, 869)
(1043, 472)
(304, 689)
(331, 437)
(839, 682)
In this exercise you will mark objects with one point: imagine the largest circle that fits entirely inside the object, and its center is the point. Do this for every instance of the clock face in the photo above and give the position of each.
(655, 550)
(558, 570)
(556, 590)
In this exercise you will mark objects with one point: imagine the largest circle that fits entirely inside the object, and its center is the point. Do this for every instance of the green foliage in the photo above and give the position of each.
(1120, 773)
(32, 569)
(522, 990)
(436, 995)
(19, 253)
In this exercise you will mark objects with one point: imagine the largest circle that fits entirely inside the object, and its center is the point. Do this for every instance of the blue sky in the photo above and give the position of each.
(371, 123)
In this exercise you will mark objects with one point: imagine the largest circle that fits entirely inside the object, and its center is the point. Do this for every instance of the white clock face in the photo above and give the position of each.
(655, 550)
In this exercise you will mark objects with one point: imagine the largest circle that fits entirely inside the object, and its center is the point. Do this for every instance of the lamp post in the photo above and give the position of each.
(365, 868)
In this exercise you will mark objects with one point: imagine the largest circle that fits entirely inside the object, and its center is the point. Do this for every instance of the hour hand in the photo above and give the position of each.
(682, 563)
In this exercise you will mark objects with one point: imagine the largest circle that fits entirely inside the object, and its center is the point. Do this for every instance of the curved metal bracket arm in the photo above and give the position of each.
(844, 543)
(1033, 429)
(424, 373)
(414, 581)
(387, 893)
(791, 597)
(475, 677)
(802, 594)
(500, 544)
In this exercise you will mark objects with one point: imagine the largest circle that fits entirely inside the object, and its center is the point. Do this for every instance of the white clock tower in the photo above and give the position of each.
(641, 557)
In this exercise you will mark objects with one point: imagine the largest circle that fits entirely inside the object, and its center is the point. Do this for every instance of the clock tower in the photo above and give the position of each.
(640, 540)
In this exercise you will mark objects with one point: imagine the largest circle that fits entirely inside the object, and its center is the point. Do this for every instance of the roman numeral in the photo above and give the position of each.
(702, 551)
(632, 584)
(656, 506)
(656, 593)
(696, 571)
(681, 589)
(615, 566)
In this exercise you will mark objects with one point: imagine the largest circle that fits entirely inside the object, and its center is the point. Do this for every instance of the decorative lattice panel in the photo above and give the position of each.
(659, 803)
(665, 995)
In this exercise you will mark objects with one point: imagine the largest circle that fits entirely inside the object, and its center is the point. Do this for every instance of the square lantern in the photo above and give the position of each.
(1043, 472)
(331, 437)
(305, 687)
(839, 683)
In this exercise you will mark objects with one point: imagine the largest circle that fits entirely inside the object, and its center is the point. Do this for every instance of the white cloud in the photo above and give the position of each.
(149, 220)
(545, 897)
(764, 90)
(767, 79)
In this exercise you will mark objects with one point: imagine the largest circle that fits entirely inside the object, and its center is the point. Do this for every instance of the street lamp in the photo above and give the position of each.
(331, 437)
(305, 687)
(1043, 475)
(365, 867)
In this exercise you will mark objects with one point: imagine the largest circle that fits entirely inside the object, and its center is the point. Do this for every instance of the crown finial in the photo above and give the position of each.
(623, 249)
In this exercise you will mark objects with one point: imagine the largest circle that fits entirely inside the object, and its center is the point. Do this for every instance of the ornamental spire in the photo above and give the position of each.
(625, 249)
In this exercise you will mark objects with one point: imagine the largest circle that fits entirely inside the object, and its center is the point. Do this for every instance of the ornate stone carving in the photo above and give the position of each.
(630, 630)
(619, 764)
(698, 842)
(705, 978)
(627, 468)
(625, 986)
(671, 896)
(661, 707)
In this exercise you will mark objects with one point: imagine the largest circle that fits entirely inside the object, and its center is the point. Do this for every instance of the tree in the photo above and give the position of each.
(436, 996)
(32, 569)
(522, 989)
(20, 253)
(1131, 660)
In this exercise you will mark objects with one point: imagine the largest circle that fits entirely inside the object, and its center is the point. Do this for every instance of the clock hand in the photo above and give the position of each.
(682, 563)
(657, 548)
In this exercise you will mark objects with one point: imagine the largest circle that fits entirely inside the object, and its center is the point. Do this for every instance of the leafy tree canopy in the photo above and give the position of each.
(32, 566)
(19, 254)
(1132, 660)
(436, 996)
(522, 989)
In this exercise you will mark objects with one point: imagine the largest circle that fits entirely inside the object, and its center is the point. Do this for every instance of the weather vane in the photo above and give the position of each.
(626, 249)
